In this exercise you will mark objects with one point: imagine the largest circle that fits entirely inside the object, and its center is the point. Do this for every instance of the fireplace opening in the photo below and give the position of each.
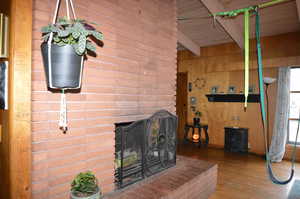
(144, 147)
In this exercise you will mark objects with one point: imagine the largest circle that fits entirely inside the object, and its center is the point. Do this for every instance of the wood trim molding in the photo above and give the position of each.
(298, 8)
(230, 26)
(19, 111)
(188, 43)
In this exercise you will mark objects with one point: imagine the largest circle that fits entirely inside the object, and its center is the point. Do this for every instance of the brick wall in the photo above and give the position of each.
(133, 75)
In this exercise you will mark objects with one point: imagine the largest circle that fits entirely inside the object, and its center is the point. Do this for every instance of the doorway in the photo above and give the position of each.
(181, 102)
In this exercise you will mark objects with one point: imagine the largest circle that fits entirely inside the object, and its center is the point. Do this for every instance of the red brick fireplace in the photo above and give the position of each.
(133, 76)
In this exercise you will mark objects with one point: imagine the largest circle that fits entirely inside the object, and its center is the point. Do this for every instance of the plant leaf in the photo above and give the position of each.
(97, 35)
(75, 34)
(46, 29)
(90, 47)
(45, 37)
(63, 33)
(81, 44)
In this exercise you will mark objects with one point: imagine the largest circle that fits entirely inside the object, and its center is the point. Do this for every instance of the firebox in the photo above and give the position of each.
(144, 147)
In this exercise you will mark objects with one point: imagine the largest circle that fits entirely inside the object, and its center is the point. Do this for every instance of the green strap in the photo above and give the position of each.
(272, 177)
(234, 13)
(247, 29)
(260, 70)
(270, 3)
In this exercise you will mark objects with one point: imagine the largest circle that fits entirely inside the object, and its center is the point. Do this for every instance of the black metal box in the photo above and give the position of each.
(236, 139)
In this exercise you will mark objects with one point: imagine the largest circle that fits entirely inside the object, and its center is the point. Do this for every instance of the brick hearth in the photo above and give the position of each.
(189, 179)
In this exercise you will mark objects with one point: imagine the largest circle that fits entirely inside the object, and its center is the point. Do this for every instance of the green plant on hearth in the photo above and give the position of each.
(76, 32)
(85, 185)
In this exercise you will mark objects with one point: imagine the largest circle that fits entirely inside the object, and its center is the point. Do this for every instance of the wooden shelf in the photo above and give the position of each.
(252, 98)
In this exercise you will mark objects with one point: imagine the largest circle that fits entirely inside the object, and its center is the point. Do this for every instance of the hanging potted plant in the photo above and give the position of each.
(85, 186)
(65, 43)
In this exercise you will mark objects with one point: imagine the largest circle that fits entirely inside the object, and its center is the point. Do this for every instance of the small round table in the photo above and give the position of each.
(199, 127)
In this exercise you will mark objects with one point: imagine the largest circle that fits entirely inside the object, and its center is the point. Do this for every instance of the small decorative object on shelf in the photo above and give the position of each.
(66, 41)
(251, 88)
(85, 186)
(214, 90)
(231, 89)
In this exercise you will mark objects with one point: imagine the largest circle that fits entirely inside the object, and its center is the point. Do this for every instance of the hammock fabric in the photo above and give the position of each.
(246, 12)
(272, 177)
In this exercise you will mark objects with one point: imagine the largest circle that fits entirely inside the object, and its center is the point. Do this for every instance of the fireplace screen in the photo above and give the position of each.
(144, 147)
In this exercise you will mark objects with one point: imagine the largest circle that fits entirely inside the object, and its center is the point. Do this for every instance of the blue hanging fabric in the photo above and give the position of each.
(272, 177)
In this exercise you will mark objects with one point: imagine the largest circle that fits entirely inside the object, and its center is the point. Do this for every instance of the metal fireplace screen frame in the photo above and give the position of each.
(145, 147)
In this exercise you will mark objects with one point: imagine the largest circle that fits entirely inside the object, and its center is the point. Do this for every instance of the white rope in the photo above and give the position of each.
(56, 12)
(68, 9)
(63, 112)
(73, 10)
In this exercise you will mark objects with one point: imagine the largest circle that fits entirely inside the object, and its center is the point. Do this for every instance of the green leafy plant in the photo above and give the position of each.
(84, 184)
(198, 114)
(75, 32)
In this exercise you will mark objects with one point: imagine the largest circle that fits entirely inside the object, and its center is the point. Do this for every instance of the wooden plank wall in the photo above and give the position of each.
(133, 76)
(222, 66)
(15, 147)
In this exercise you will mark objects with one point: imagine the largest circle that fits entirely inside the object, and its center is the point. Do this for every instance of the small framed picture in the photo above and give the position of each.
(193, 100)
(3, 36)
(4, 85)
(231, 89)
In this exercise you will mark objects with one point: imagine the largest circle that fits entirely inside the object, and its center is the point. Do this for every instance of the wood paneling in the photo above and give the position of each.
(222, 66)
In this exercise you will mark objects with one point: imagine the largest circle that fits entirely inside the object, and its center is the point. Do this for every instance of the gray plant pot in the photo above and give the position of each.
(66, 66)
(94, 196)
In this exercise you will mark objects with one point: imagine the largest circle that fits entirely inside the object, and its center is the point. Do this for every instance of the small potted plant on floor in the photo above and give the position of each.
(85, 186)
(197, 118)
(65, 43)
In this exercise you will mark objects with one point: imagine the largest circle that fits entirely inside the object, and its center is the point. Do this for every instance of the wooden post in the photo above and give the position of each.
(19, 110)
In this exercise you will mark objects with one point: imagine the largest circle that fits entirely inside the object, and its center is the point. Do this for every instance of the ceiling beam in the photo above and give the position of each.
(229, 25)
(188, 43)
(298, 7)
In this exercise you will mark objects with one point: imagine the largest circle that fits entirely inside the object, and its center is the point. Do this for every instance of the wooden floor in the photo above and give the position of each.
(242, 176)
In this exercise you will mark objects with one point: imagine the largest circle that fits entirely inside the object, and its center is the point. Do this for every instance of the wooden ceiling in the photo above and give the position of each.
(196, 24)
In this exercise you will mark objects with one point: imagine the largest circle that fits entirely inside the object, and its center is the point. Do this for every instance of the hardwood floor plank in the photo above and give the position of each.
(242, 176)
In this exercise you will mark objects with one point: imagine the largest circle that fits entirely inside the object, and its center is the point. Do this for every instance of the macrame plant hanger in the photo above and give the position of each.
(63, 125)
